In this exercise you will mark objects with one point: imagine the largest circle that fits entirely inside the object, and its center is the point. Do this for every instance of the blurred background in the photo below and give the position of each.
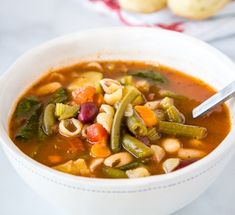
(25, 24)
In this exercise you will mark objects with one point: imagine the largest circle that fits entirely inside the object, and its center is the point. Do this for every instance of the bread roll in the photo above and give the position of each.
(142, 6)
(196, 9)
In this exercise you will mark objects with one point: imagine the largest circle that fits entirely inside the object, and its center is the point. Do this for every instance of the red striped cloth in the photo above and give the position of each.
(221, 25)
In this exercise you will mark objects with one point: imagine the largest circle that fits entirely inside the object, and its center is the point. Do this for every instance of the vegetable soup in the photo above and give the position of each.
(115, 119)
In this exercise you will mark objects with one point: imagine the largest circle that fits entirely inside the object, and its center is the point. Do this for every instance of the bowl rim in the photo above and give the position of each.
(223, 147)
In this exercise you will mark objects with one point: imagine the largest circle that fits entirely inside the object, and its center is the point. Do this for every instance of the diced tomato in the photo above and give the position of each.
(96, 133)
(98, 99)
(83, 95)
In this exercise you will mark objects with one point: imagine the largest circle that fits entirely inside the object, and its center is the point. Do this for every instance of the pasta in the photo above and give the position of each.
(113, 98)
(65, 131)
(110, 86)
(105, 118)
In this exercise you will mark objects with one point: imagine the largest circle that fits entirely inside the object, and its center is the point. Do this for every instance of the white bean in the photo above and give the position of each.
(171, 145)
(170, 164)
(190, 153)
(137, 173)
(159, 152)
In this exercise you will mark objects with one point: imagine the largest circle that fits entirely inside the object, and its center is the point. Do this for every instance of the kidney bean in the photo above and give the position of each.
(184, 163)
(88, 112)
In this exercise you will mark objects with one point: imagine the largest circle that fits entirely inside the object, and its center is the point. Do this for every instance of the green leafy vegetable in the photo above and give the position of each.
(59, 96)
(149, 74)
(26, 105)
(30, 127)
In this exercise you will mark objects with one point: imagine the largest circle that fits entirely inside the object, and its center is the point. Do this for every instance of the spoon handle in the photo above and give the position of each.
(220, 97)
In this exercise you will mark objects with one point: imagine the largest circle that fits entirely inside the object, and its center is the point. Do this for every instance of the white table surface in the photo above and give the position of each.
(27, 23)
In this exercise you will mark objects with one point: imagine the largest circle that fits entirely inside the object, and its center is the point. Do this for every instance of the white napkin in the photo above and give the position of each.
(219, 26)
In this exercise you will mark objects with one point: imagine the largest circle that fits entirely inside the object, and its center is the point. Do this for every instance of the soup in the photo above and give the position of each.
(117, 120)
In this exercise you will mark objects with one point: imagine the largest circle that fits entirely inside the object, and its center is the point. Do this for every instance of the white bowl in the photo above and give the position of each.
(162, 194)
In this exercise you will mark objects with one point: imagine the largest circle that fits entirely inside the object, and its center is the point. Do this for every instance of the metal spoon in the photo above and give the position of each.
(220, 97)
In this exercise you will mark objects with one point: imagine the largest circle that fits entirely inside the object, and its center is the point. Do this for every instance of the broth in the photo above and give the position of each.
(57, 148)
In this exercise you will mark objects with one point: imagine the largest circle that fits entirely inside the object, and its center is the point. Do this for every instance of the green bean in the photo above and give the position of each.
(49, 119)
(153, 134)
(182, 130)
(113, 172)
(135, 126)
(166, 103)
(168, 93)
(174, 115)
(136, 147)
(131, 94)
(132, 165)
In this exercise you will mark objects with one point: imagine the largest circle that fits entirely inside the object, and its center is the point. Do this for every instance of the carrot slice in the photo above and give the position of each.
(100, 150)
(147, 115)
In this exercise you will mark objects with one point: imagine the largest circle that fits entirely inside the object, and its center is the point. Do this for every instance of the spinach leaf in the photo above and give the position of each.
(30, 127)
(26, 105)
(149, 74)
(59, 96)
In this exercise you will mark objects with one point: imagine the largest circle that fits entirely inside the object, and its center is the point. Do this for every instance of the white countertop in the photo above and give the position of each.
(27, 23)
